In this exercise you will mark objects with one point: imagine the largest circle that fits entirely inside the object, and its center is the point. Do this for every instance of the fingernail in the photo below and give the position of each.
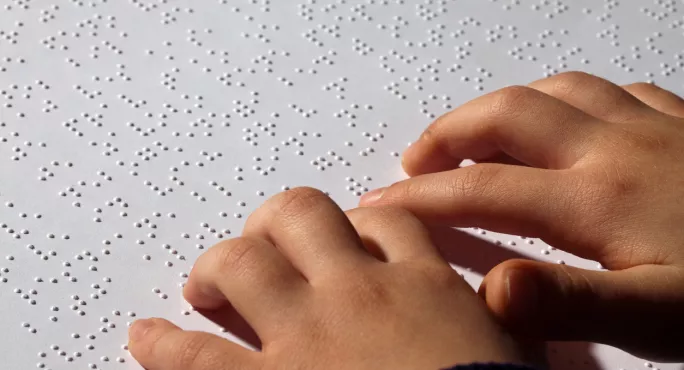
(522, 295)
(372, 196)
(139, 328)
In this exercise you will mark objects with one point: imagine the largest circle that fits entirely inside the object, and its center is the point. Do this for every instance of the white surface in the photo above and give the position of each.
(112, 111)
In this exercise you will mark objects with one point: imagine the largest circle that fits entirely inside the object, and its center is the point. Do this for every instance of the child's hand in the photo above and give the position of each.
(589, 167)
(325, 290)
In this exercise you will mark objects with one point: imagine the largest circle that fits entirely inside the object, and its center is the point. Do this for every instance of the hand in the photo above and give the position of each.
(589, 167)
(325, 290)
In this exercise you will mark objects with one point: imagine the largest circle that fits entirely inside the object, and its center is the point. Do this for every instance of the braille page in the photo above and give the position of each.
(136, 134)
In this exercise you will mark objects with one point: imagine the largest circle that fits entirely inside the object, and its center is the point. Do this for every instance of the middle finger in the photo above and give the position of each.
(310, 230)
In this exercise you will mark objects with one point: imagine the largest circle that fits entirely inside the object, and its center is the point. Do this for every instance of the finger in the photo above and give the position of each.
(516, 200)
(520, 122)
(657, 98)
(631, 309)
(393, 234)
(160, 345)
(310, 230)
(593, 95)
(251, 274)
(501, 198)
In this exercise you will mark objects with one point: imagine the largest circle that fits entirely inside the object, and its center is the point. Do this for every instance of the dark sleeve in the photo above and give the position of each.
(491, 367)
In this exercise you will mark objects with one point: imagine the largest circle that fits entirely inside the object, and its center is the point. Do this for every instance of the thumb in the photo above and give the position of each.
(637, 310)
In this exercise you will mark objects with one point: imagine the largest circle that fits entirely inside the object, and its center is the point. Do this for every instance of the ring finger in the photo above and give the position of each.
(657, 98)
(251, 274)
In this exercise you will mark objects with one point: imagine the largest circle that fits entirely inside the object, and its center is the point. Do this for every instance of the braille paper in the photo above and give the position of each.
(136, 134)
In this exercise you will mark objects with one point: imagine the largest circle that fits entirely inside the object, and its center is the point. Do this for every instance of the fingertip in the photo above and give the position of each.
(197, 297)
(493, 291)
(144, 334)
(422, 157)
(144, 340)
(192, 294)
(372, 197)
(511, 292)
(408, 159)
(428, 155)
(139, 329)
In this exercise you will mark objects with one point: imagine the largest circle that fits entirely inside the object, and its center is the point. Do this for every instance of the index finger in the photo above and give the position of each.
(508, 199)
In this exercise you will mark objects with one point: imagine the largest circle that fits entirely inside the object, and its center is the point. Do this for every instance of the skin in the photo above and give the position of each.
(589, 167)
(327, 290)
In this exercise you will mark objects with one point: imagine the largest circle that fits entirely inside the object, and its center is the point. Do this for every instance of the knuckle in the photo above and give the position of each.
(568, 82)
(299, 200)
(406, 190)
(642, 87)
(474, 180)
(644, 90)
(509, 101)
(574, 78)
(236, 255)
